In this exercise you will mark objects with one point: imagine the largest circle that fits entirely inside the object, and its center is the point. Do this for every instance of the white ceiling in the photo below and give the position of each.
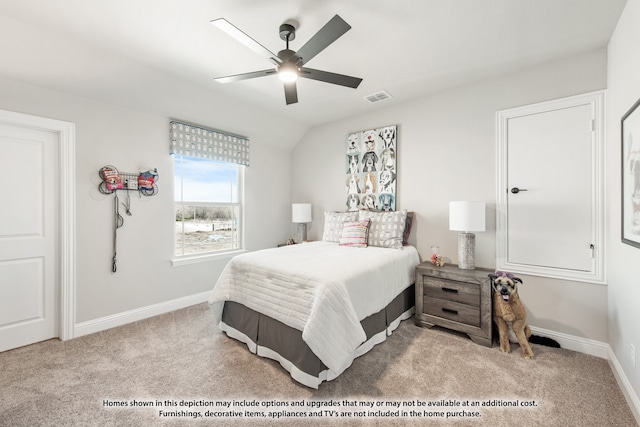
(161, 56)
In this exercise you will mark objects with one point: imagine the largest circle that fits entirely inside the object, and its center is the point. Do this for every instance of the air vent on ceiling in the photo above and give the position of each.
(378, 96)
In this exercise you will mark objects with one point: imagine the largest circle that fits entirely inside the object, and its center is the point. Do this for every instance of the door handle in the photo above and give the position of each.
(516, 190)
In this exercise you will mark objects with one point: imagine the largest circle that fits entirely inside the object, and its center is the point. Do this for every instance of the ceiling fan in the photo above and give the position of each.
(289, 65)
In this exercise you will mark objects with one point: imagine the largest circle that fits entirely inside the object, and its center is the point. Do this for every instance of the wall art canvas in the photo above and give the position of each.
(631, 176)
(371, 170)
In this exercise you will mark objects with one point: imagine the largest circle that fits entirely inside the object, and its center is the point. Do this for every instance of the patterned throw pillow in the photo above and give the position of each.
(354, 234)
(333, 224)
(386, 229)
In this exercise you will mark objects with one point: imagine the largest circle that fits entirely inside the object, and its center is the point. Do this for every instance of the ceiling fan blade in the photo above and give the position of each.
(290, 93)
(243, 38)
(327, 77)
(332, 30)
(245, 76)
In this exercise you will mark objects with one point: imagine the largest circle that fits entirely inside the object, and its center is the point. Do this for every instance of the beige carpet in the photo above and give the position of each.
(182, 357)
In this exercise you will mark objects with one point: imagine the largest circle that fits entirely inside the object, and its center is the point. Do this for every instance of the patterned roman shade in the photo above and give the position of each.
(196, 141)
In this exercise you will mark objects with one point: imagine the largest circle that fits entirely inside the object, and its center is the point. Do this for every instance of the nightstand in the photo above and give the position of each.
(455, 299)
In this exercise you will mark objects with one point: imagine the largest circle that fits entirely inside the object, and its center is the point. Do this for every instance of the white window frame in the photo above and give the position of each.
(223, 253)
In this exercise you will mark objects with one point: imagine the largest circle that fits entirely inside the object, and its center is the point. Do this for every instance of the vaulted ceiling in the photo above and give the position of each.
(161, 56)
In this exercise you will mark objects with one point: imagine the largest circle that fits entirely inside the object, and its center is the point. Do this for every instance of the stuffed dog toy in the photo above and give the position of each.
(508, 311)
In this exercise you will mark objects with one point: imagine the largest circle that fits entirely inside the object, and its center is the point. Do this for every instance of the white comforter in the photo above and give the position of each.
(320, 288)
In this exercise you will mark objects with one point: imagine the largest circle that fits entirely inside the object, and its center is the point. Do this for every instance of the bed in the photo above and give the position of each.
(314, 307)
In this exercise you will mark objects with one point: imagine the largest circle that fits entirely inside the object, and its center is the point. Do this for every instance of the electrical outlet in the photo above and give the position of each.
(633, 355)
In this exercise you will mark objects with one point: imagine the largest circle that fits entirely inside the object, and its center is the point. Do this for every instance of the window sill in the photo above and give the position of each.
(195, 259)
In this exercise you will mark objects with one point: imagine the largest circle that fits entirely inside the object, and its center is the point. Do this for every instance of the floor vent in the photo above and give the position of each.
(378, 96)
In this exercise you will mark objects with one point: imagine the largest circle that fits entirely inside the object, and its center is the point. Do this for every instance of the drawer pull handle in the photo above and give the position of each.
(453, 291)
(448, 310)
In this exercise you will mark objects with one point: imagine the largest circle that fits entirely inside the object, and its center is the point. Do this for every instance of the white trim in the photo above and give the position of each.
(597, 349)
(195, 259)
(112, 321)
(597, 273)
(240, 336)
(625, 385)
(298, 375)
(67, 199)
(571, 342)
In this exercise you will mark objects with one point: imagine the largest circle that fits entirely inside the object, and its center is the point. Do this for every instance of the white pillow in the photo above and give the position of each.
(333, 224)
(354, 234)
(386, 229)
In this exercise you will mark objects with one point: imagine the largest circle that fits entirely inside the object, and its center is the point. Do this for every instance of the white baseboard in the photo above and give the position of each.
(571, 342)
(598, 349)
(625, 385)
(103, 323)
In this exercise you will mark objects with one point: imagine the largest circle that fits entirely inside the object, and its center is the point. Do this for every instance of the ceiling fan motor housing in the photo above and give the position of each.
(287, 32)
(287, 55)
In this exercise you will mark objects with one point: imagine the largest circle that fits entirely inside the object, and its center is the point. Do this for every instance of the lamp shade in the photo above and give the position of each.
(466, 216)
(301, 212)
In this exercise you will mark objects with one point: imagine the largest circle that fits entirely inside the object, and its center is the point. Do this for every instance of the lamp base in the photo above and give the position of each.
(467, 251)
(301, 233)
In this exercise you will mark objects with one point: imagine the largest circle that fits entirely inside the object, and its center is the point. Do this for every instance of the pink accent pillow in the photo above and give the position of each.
(354, 234)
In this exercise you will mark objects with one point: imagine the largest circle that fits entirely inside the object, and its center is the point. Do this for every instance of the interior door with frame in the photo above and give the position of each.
(28, 235)
(550, 189)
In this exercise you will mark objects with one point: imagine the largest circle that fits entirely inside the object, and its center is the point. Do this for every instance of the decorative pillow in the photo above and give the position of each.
(386, 229)
(354, 234)
(333, 224)
(411, 216)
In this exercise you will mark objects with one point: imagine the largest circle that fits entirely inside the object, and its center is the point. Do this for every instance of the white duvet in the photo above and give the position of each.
(319, 288)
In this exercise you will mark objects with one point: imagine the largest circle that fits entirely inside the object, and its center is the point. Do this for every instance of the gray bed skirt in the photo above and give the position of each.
(270, 338)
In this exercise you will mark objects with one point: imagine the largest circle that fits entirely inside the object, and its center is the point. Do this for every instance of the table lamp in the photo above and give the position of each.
(301, 214)
(466, 217)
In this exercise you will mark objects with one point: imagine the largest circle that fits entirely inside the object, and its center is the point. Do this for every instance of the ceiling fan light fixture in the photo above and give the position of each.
(289, 64)
(288, 72)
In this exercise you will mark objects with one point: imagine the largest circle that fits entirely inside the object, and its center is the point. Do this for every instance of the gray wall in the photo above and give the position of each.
(623, 260)
(446, 151)
(129, 139)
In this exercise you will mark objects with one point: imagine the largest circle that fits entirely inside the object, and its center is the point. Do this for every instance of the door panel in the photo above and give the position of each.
(28, 236)
(549, 159)
(22, 290)
(23, 168)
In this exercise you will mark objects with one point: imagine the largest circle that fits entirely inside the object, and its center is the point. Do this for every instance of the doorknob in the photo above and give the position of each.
(516, 190)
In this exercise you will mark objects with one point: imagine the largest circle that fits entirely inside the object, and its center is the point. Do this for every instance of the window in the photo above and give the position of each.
(207, 205)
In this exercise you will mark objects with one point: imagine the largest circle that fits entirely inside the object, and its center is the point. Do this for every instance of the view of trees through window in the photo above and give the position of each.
(206, 228)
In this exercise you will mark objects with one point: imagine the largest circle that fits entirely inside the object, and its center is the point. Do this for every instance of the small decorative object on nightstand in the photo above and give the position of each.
(436, 258)
(456, 299)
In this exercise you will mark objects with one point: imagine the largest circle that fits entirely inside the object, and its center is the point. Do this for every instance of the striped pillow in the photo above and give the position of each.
(354, 234)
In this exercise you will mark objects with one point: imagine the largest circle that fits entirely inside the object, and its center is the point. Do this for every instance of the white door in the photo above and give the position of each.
(549, 207)
(28, 235)
(550, 186)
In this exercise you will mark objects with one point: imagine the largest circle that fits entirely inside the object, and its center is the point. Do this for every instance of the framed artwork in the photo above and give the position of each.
(630, 131)
(371, 170)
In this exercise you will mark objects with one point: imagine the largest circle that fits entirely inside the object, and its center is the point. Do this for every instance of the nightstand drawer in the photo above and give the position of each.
(455, 311)
(465, 293)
